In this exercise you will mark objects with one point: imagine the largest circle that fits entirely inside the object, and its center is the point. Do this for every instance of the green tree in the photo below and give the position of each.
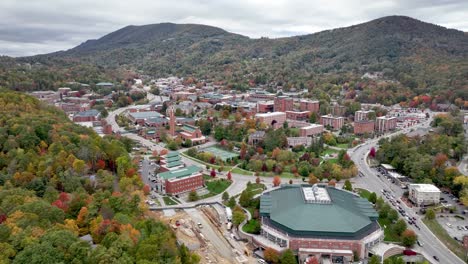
(409, 238)
(399, 227)
(347, 186)
(430, 214)
(232, 202)
(392, 215)
(193, 196)
(225, 196)
(238, 217)
(373, 197)
(374, 260)
(288, 257)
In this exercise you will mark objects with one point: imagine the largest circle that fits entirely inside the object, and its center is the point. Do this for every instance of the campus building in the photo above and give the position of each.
(171, 161)
(385, 124)
(364, 127)
(335, 122)
(87, 116)
(423, 194)
(193, 133)
(283, 104)
(141, 117)
(179, 181)
(299, 116)
(312, 130)
(265, 106)
(328, 223)
(362, 115)
(275, 119)
(312, 106)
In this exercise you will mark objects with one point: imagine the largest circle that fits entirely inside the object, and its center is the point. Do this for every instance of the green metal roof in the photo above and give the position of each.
(180, 173)
(172, 159)
(172, 154)
(346, 215)
(189, 128)
(173, 164)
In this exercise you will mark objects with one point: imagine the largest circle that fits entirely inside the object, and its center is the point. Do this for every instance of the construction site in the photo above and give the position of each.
(206, 230)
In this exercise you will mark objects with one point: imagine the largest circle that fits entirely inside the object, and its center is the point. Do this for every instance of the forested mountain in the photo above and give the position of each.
(60, 181)
(421, 57)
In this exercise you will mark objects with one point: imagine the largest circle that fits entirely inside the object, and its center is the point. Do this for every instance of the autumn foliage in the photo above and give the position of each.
(276, 181)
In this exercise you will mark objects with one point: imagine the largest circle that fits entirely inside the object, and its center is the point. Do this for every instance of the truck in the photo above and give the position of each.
(228, 214)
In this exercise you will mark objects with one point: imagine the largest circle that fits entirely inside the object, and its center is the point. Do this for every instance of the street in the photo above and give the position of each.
(432, 245)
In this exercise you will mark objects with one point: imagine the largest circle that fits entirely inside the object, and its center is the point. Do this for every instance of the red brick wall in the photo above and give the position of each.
(363, 127)
(295, 244)
(184, 184)
(310, 106)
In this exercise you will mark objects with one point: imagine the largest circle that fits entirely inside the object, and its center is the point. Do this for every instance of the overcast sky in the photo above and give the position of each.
(42, 26)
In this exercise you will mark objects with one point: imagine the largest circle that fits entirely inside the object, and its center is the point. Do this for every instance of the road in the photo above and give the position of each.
(431, 245)
(210, 234)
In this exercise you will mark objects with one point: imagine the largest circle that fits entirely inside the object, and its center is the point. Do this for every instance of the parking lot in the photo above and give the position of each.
(454, 225)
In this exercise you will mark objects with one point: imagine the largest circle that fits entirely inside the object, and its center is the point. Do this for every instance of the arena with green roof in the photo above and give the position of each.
(319, 221)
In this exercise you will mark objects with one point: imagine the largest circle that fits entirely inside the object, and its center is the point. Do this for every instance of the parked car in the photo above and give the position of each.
(419, 243)
(436, 258)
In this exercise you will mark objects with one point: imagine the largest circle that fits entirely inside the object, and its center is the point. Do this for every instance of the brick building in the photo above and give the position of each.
(179, 181)
(171, 161)
(362, 115)
(265, 106)
(297, 141)
(300, 116)
(141, 117)
(337, 110)
(87, 116)
(363, 127)
(335, 122)
(283, 104)
(308, 105)
(193, 133)
(275, 119)
(384, 124)
(313, 130)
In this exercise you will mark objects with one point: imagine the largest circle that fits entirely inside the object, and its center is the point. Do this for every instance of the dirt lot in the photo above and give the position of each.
(204, 241)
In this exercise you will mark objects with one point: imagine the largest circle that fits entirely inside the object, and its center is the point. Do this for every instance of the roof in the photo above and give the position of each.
(172, 154)
(104, 84)
(387, 166)
(311, 126)
(172, 159)
(257, 134)
(270, 114)
(145, 115)
(158, 120)
(185, 172)
(174, 164)
(92, 112)
(424, 187)
(189, 128)
(332, 212)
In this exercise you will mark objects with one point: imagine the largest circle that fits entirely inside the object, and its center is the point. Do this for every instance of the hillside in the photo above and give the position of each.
(423, 57)
(48, 198)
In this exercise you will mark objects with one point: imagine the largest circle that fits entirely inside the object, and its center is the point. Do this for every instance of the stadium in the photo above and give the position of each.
(331, 224)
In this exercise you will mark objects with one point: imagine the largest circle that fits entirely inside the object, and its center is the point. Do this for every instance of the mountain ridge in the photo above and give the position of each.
(423, 57)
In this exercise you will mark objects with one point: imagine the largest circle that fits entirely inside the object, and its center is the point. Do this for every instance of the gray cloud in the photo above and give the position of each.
(41, 26)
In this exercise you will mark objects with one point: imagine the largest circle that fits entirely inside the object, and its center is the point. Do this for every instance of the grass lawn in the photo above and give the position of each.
(215, 187)
(443, 236)
(332, 161)
(389, 235)
(329, 151)
(252, 227)
(343, 145)
(241, 171)
(169, 201)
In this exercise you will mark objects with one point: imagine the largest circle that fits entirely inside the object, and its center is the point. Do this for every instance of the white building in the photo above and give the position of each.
(424, 194)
